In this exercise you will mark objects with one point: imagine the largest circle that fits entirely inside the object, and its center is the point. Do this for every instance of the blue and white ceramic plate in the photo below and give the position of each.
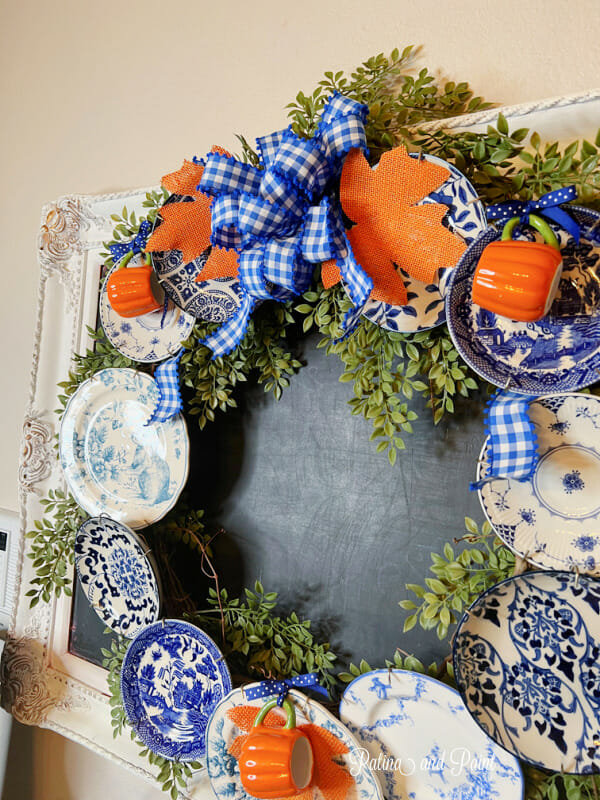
(425, 308)
(223, 768)
(560, 352)
(113, 462)
(173, 677)
(553, 519)
(148, 338)
(527, 663)
(118, 575)
(421, 734)
(213, 301)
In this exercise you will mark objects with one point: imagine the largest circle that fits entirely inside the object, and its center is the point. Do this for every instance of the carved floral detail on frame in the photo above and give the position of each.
(59, 236)
(37, 455)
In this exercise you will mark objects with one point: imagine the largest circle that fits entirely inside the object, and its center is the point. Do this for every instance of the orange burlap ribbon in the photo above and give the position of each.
(333, 781)
(187, 226)
(389, 228)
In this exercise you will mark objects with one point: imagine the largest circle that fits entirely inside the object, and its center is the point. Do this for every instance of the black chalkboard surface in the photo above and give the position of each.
(311, 510)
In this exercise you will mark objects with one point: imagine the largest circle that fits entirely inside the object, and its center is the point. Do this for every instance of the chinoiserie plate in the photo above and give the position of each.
(560, 352)
(172, 679)
(420, 732)
(353, 767)
(149, 337)
(214, 300)
(527, 663)
(425, 308)
(118, 575)
(113, 462)
(553, 519)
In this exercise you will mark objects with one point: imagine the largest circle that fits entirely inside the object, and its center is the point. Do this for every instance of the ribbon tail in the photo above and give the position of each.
(565, 221)
(230, 334)
(169, 397)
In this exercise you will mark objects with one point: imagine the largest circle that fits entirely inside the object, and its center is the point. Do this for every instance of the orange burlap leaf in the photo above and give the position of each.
(389, 229)
(333, 781)
(187, 226)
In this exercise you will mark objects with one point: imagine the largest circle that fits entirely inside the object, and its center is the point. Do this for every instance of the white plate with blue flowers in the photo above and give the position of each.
(172, 679)
(527, 663)
(553, 519)
(113, 462)
(118, 575)
(427, 746)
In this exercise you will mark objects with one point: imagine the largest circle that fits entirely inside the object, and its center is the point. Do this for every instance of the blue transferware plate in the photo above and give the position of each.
(560, 352)
(553, 519)
(466, 218)
(149, 337)
(173, 677)
(527, 663)
(118, 575)
(214, 300)
(223, 768)
(428, 746)
(113, 462)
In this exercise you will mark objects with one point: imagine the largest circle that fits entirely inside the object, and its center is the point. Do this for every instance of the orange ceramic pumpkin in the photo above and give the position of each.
(130, 291)
(275, 761)
(518, 279)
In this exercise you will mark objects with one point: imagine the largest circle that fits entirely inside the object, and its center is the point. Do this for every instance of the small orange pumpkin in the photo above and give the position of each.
(518, 279)
(130, 291)
(275, 761)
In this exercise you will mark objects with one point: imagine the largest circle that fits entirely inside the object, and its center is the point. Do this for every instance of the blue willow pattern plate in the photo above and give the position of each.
(149, 337)
(425, 308)
(423, 736)
(214, 300)
(113, 462)
(553, 519)
(173, 677)
(117, 575)
(527, 663)
(558, 353)
(223, 768)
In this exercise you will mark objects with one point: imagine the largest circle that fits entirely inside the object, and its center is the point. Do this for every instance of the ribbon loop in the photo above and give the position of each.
(135, 246)
(548, 205)
(281, 687)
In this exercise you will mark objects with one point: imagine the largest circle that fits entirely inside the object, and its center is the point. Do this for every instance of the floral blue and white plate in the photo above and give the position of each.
(173, 677)
(422, 736)
(527, 663)
(223, 767)
(553, 519)
(466, 218)
(558, 353)
(148, 338)
(214, 300)
(118, 575)
(113, 462)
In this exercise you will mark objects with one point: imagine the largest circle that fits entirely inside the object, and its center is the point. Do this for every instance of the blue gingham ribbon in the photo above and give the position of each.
(169, 398)
(548, 205)
(282, 687)
(512, 445)
(135, 246)
(280, 219)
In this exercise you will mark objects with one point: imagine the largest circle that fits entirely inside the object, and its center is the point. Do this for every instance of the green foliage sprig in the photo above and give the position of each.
(259, 643)
(459, 579)
(127, 224)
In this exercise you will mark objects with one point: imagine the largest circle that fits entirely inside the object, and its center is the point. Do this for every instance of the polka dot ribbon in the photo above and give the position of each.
(135, 246)
(282, 687)
(548, 205)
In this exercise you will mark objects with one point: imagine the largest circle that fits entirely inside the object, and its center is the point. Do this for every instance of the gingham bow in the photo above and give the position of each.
(512, 443)
(548, 205)
(282, 687)
(135, 246)
(169, 399)
(279, 218)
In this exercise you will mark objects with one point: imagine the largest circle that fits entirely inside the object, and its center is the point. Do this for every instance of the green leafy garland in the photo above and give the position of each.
(387, 370)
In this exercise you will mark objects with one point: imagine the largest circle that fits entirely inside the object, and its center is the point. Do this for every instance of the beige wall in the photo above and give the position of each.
(109, 95)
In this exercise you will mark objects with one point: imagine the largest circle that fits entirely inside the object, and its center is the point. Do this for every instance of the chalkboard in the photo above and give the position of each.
(311, 509)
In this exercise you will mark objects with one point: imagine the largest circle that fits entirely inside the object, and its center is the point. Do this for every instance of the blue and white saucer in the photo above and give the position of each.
(420, 732)
(172, 679)
(466, 218)
(113, 462)
(118, 575)
(527, 663)
(558, 353)
(553, 519)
